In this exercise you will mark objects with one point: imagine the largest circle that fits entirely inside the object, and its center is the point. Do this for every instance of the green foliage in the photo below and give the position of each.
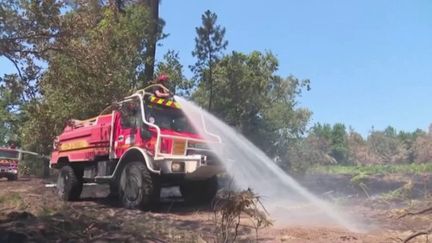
(373, 169)
(360, 181)
(339, 149)
(32, 165)
(74, 58)
(93, 52)
(402, 193)
(100, 63)
(387, 147)
(331, 141)
(358, 151)
(336, 145)
(209, 44)
(300, 156)
(171, 65)
(26, 28)
(408, 139)
(260, 104)
(9, 102)
(360, 178)
(421, 148)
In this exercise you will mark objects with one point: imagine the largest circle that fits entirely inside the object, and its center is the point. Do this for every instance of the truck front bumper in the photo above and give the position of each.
(6, 171)
(193, 167)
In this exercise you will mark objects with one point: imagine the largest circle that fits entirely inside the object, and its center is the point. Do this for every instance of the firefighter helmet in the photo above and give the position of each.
(162, 78)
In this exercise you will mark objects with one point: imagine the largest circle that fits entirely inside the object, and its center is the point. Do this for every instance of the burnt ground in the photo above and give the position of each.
(30, 212)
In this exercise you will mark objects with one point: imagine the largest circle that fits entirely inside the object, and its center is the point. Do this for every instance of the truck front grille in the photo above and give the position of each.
(211, 157)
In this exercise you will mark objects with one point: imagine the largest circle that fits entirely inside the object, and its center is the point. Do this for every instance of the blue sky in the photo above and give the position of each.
(369, 62)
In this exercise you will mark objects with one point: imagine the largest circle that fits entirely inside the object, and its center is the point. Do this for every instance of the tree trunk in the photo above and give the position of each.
(153, 5)
(210, 79)
(211, 88)
(46, 170)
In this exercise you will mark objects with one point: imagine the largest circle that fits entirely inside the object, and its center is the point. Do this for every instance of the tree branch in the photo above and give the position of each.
(419, 233)
(16, 66)
(33, 36)
(33, 52)
(416, 213)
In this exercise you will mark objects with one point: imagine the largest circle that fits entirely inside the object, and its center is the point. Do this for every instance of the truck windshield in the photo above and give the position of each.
(168, 118)
(9, 154)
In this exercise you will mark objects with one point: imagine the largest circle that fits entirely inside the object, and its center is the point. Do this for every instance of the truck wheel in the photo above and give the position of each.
(69, 186)
(199, 191)
(12, 177)
(137, 187)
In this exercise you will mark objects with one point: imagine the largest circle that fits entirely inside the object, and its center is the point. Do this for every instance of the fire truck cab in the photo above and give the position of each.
(137, 146)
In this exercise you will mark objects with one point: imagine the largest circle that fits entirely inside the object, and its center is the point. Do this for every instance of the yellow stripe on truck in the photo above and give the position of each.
(168, 103)
(73, 145)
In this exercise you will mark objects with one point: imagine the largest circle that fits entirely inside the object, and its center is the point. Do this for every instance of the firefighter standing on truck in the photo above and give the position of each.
(159, 91)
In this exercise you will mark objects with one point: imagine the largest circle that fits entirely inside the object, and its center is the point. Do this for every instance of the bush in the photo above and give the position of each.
(229, 207)
(33, 165)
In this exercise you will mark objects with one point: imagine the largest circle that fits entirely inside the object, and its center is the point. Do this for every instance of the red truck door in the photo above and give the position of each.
(126, 126)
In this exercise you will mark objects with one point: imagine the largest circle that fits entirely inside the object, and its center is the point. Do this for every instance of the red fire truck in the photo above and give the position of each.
(9, 159)
(137, 146)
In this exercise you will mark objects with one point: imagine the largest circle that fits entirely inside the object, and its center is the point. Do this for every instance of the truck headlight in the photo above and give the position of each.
(177, 166)
(195, 145)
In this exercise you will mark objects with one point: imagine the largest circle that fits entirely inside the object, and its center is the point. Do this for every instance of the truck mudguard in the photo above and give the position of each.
(135, 154)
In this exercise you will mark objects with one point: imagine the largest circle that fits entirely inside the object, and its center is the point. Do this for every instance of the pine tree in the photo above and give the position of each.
(209, 44)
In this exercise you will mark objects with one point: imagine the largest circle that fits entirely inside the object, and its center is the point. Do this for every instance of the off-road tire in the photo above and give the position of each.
(199, 191)
(12, 177)
(137, 187)
(69, 185)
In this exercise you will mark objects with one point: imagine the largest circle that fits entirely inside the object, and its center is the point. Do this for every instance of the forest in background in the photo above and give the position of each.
(73, 58)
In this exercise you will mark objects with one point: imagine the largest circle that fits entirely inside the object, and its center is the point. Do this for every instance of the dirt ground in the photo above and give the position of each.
(31, 212)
